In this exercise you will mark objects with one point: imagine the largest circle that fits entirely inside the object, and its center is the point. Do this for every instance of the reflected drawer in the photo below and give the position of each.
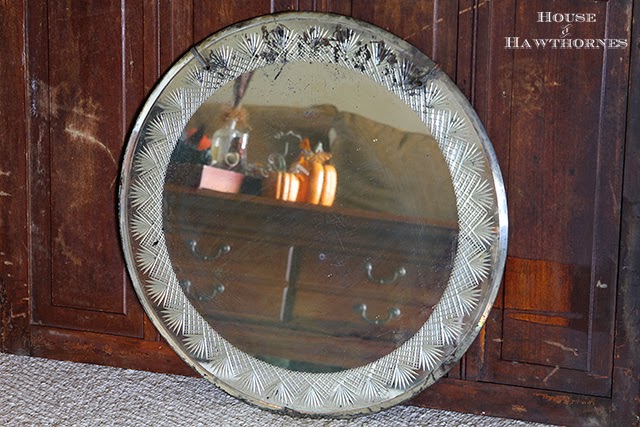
(357, 316)
(228, 277)
(380, 276)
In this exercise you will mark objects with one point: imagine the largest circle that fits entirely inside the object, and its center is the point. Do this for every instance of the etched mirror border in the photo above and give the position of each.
(477, 183)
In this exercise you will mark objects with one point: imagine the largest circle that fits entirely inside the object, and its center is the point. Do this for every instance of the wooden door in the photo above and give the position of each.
(554, 117)
(89, 66)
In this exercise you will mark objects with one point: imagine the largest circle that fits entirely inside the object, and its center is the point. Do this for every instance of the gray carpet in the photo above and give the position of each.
(40, 392)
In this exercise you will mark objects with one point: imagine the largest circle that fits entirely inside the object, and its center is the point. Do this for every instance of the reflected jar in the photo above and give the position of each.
(229, 147)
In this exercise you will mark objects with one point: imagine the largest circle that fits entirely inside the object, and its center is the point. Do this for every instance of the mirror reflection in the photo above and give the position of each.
(310, 217)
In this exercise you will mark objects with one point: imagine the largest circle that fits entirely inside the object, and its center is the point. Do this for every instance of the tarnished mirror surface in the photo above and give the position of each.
(312, 215)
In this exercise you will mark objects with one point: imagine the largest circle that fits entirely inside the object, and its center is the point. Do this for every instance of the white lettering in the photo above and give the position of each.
(544, 16)
(511, 42)
(565, 17)
(540, 43)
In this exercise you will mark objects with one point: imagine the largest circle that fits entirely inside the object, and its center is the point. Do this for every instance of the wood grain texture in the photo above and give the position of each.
(83, 97)
(520, 403)
(560, 149)
(342, 7)
(14, 240)
(83, 139)
(167, 35)
(212, 16)
(492, 87)
(431, 26)
(626, 372)
(292, 5)
(106, 349)
(544, 326)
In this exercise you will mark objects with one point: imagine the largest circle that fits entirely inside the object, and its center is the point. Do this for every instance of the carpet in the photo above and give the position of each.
(41, 392)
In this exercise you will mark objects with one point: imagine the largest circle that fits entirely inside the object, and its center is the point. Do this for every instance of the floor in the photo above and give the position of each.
(40, 392)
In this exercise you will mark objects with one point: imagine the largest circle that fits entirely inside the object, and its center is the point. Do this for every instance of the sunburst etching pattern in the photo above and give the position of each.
(343, 396)
(158, 290)
(419, 360)
(430, 356)
(373, 385)
(252, 380)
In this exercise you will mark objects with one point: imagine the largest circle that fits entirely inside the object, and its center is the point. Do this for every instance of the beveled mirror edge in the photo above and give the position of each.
(498, 252)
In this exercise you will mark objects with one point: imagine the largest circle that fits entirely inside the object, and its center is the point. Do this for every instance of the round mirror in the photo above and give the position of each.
(312, 215)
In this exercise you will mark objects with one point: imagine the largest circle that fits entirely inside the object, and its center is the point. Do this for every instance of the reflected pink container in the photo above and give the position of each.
(220, 180)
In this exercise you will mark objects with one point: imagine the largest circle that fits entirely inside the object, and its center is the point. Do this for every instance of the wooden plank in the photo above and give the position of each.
(211, 16)
(430, 26)
(341, 7)
(293, 5)
(14, 240)
(626, 372)
(610, 154)
(545, 328)
(108, 350)
(80, 117)
(518, 403)
(84, 148)
(467, 16)
(409, 20)
(174, 32)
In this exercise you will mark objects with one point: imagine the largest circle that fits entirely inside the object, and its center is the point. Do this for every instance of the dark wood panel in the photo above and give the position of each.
(626, 373)
(564, 205)
(86, 139)
(109, 350)
(342, 7)
(491, 93)
(168, 27)
(84, 95)
(555, 125)
(293, 5)
(467, 17)
(14, 241)
(211, 16)
(549, 330)
(517, 403)
(430, 26)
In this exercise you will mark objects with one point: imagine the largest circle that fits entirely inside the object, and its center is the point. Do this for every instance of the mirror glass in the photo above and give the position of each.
(312, 215)
(309, 284)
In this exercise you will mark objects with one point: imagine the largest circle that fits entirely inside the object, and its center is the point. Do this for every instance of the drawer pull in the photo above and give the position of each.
(361, 309)
(217, 289)
(223, 249)
(400, 272)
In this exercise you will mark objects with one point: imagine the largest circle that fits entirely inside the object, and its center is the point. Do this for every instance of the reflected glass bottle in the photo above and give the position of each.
(229, 147)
